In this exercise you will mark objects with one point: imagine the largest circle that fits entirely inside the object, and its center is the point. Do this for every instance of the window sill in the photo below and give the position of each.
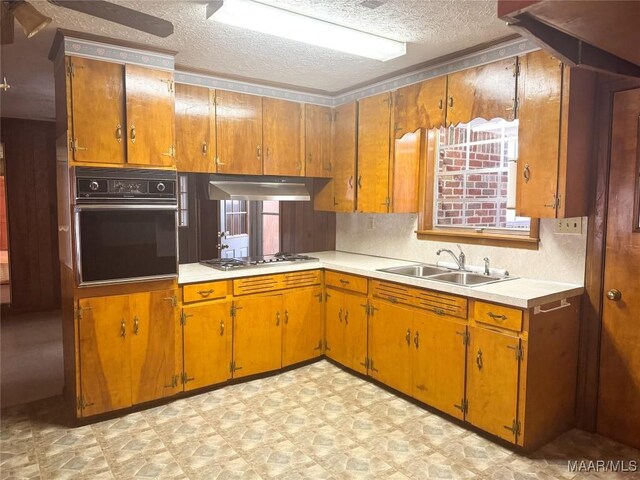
(480, 238)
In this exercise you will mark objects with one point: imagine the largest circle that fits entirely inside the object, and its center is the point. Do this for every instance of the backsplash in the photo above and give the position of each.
(561, 257)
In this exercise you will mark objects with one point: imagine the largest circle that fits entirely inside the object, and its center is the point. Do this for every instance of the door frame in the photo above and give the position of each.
(592, 300)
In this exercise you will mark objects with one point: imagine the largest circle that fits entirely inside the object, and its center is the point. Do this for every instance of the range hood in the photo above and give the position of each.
(236, 187)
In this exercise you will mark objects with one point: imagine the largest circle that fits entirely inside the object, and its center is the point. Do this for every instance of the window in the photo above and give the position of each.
(473, 170)
(236, 218)
(183, 201)
(270, 227)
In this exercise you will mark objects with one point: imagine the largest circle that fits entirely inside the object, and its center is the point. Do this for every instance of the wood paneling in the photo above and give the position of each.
(374, 119)
(488, 91)
(239, 133)
(150, 116)
(97, 102)
(282, 137)
(421, 105)
(195, 143)
(317, 124)
(303, 229)
(32, 211)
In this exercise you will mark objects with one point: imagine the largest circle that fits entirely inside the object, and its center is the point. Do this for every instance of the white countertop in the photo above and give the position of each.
(517, 292)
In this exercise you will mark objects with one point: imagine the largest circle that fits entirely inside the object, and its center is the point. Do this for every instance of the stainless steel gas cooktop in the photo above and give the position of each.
(250, 262)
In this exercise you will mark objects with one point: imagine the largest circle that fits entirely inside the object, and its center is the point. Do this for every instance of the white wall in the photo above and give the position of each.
(560, 257)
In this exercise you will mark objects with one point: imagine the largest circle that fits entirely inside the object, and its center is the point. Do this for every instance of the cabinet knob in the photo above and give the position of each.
(614, 294)
(132, 134)
(119, 133)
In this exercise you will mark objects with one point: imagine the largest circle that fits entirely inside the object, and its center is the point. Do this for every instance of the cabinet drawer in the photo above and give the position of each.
(498, 315)
(441, 303)
(300, 279)
(204, 291)
(393, 292)
(346, 281)
(263, 283)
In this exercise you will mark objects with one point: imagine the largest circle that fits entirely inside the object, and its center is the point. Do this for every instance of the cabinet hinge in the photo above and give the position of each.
(464, 406)
(70, 69)
(366, 363)
(319, 346)
(555, 204)
(174, 381)
(183, 318)
(319, 296)
(185, 378)
(335, 204)
(232, 311)
(514, 428)
(466, 337)
(326, 346)
(519, 351)
(81, 404)
(173, 300)
(387, 202)
(516, 69)
(233, 367)
(78, 313)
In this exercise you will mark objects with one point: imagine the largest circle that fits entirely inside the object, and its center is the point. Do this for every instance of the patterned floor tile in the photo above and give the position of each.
(356, 462)
(435, 466)
(275, 458)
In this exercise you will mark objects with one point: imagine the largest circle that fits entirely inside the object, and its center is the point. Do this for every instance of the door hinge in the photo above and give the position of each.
(519, 351)
(464, 406)
(466, 337)
(514, 428)
(81, 404)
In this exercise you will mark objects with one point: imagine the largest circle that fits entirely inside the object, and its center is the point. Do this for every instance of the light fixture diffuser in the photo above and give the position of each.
(282, 23)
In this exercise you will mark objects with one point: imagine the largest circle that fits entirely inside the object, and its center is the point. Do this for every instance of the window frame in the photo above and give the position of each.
(426, 229)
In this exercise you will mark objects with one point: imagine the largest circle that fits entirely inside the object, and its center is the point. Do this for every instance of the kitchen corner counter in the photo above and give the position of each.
(517, 292)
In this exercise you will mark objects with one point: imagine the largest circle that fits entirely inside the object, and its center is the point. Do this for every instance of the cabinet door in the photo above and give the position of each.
(404, 185)
(492, 381)
(155, 351)
(334, 326)
(390, 345)
(539, 107)
(195, 149)
(421, 105)
(97, 111)
(485, 92)
(150, 116)
(283, 142)
(439, 355)
(373, 153)
(344, 157)
(302, 332)
(355, 332)
(105, 360)
(239, 133)
(317, 127)
(205, 333)
(257, 335)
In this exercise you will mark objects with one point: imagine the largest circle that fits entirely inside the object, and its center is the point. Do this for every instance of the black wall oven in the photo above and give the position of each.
(125, 225)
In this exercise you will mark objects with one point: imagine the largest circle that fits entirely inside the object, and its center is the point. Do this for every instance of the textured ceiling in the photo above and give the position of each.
(432, 28)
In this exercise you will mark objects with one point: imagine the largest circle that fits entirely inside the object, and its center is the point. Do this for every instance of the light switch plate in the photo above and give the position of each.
(569, 225)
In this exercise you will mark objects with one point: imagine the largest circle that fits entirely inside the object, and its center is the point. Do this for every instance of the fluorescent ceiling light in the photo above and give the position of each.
(294, 26)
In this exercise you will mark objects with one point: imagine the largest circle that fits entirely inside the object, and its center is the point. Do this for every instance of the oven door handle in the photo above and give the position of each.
(172, 207)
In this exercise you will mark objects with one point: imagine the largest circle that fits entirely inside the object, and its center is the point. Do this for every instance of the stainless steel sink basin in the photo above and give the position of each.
(468, 279)
(416, 270)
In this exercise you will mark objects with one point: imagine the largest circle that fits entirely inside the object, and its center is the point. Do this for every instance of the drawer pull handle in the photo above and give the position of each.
(132, 133)
(346, 317)
(526, 173)
(286, 317)
(277, 319)
(495, 316)
(344, 282)
(136, 325)
(479, 359)
(123, 329)
(119, 133)
(416, 339)
(340, 315)
(205, 293)
(438, 311)
(205, 148)
(407, 337)
(393, 299)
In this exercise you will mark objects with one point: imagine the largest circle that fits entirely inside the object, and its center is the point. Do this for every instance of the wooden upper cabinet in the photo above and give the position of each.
(421, 105)
(195, 142)
(344, 157)
(97, 111)
(488, 92)
(239, 133)
(374, 117)
(317, 137)
(282, 137)
(555, 112)
(404, 188)
(150, 116)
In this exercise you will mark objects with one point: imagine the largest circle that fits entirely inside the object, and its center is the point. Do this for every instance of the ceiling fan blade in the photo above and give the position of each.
(119, 14)
(6, 25)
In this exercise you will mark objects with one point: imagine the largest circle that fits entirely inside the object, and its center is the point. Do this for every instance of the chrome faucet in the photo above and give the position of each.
(460, 260)
(487, 270)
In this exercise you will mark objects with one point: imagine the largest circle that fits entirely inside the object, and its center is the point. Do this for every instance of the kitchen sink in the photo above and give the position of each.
(416, 270)
(446, 275)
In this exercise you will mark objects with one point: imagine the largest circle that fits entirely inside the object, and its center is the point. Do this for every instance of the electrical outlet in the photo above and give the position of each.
(370, 223)
(569, 225)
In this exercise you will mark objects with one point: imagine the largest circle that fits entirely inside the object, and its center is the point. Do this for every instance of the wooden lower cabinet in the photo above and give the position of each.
(257, 334)
(346, 329)
(438, 363)
(302, 331)
(206, 330)
(127, 350)
(493, 372)
(390, 345)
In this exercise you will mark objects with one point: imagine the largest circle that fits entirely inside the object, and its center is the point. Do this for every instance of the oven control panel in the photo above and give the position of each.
(114, 184)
